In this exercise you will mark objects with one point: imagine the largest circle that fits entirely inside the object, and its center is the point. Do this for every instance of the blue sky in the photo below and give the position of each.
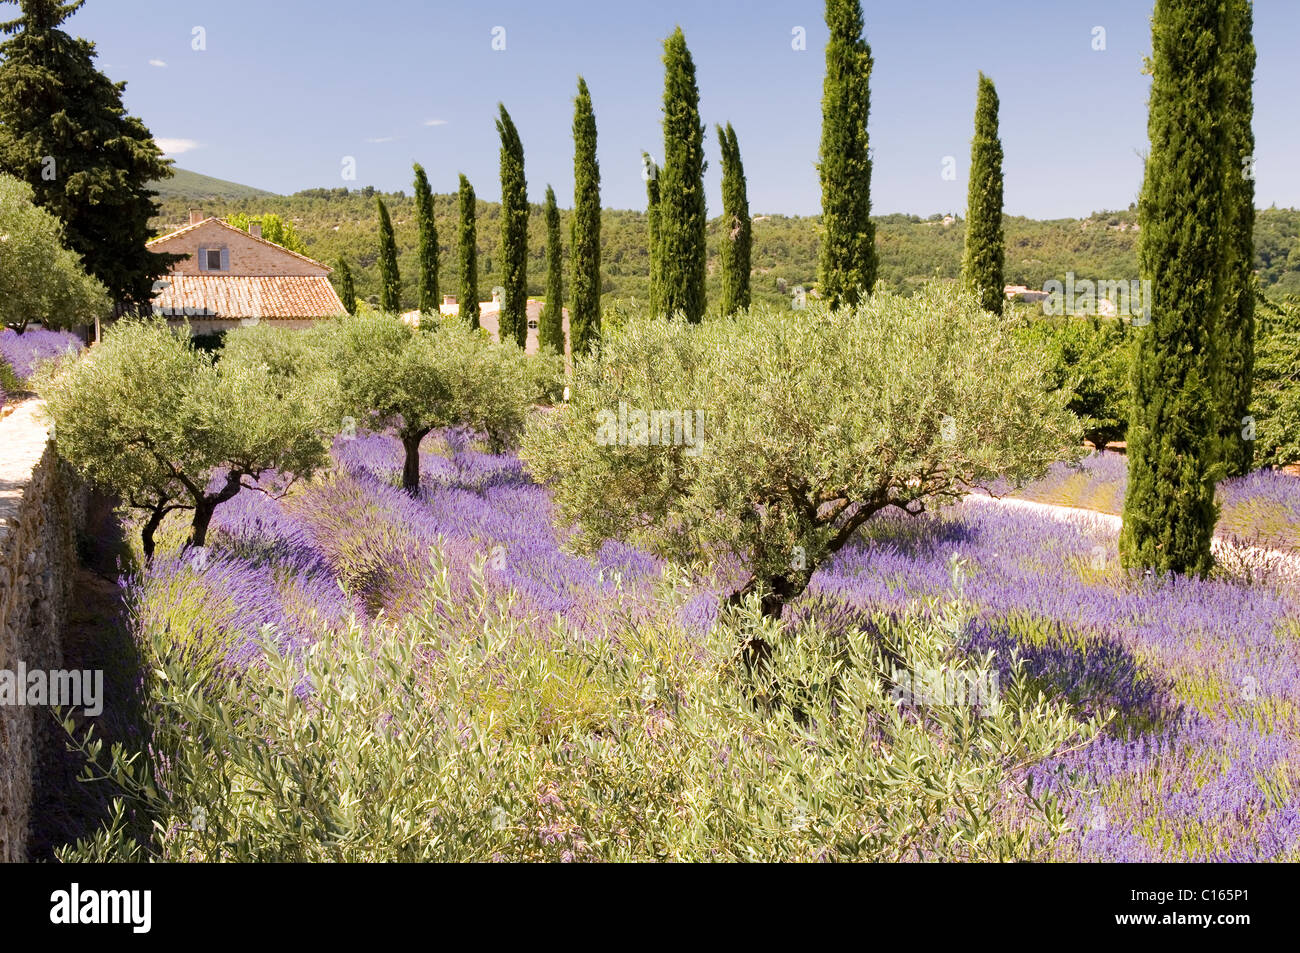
(286, 88)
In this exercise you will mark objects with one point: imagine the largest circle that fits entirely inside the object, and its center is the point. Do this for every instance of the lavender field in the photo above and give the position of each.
(1262, 508)
(1199, 760)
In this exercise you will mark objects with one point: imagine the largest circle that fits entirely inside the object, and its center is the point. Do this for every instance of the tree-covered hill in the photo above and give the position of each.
(336, 222)
(185, 184)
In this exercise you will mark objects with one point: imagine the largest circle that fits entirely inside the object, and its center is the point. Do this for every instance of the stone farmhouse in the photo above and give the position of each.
(232, 277)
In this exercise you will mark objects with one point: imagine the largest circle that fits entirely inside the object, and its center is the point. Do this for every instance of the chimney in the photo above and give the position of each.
(195, 216)
(448, 300)
(255, 229)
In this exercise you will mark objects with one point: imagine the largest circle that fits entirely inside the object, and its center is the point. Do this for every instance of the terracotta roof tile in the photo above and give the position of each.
(232, 296)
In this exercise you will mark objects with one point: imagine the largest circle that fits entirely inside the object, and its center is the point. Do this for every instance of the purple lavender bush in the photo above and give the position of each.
(25, 352)
(539, 654)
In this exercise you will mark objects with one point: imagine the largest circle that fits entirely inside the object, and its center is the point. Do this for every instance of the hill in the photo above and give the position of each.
(342, 222)
(192, 185)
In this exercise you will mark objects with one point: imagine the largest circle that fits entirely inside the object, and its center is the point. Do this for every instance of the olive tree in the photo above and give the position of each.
(773, 435)
(389, 375)
(40, 279)
(148, 416)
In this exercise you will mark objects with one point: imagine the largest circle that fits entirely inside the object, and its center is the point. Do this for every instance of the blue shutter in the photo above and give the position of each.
(203, 258)
(225, 259)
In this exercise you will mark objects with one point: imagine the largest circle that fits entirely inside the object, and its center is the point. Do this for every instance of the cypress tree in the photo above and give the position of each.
(847, 263)
(428, 243)
(1236, 338)
(584, 317)
(1169, 508)
(513, 316)
(390, 282)
(652, 223)
(981, 266)
(737, 230)
(468, 242)
(551, 333)
(682, 214)
(347, 288)
(65, 132)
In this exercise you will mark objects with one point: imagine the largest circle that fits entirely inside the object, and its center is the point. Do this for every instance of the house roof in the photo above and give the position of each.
(224, 224)
(233, 296)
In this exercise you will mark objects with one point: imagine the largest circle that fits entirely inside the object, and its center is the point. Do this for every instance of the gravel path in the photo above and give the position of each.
(1278, 562)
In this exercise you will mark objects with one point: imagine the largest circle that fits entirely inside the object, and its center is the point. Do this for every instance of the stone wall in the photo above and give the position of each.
(42, 507)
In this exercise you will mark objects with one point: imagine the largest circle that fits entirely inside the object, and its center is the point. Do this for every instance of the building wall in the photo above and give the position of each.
(42, 506)
(248, 256)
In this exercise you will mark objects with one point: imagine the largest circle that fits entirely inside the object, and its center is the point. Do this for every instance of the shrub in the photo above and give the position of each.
(40, 280)
(469, 735)
(1277, 383)
(1088, 359)
(21, 354)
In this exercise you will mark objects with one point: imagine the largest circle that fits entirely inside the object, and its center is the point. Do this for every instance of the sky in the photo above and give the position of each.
(279, 94)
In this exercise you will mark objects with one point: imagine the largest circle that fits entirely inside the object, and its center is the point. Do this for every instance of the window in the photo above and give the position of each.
(214, 259)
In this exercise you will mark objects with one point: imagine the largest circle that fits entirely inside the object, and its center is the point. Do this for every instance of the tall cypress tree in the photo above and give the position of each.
(737, 229)
(428, 243)
(584, 316)
(981, 266)
(468, 242)
(1169, 508)
(347, 287)
(551, 333)
(847, 263)
(682, 214)
(652, 228)
(390, 282)
(513, 316)
(65, 132)
(1236, 338)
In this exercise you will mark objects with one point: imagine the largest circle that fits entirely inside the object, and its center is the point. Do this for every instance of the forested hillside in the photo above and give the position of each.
(336, 222)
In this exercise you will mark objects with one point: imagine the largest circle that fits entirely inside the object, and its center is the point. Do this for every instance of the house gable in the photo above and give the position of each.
(241, 254)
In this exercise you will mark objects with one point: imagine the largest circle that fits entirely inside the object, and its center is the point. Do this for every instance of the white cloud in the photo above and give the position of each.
(435, 122)
(175, 147)
(159, 63)
(382, 139)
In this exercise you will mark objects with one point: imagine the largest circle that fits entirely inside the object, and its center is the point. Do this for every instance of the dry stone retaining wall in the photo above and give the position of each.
(42, 506)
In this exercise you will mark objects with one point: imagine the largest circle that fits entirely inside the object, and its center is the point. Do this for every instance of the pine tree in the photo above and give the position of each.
(1235, 349)
(981, 266)
(737, 233)
(1169, 508)
(347, 288)
(652, 228)
(65, 132)
(551, 333)
(847, 264)
(390, 282)
(584, 316)
(468, 241)
(682, 213)
(428, 243)
(513, 316)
